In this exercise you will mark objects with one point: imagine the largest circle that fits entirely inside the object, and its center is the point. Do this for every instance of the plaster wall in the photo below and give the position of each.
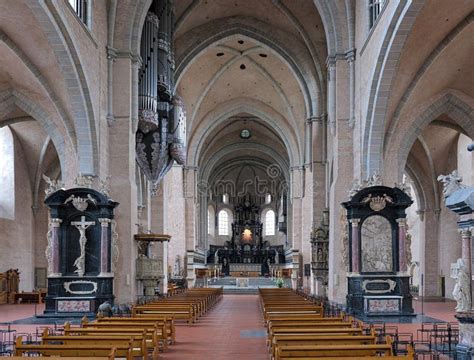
(17, 233)
(174, 211)
(449, 248)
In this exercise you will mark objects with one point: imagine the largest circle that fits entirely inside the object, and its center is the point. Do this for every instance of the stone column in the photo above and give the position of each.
(331, 65)
(402, 231)
(308, 142)
(104, 246)
(350, 57)
(466, 252)
(55, 270)
(122, 167)
(355, 245)
(341, 177)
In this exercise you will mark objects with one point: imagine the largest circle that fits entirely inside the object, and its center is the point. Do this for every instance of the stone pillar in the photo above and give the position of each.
(350, 57)
(466, 252)
(308, 142)
(340, 179)
(122, 169)
(104, 247)
(402, 231)
(55, 270)
(355, 245)
(331, 65)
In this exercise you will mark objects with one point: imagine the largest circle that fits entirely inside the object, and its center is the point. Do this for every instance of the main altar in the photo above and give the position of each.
(246, 253)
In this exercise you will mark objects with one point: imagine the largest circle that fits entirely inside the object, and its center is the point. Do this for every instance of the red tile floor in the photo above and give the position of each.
(233, 329)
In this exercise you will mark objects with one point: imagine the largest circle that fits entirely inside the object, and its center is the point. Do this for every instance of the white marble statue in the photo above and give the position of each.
(82, 226)
(462, 290)
(177, 267)
(451, 183)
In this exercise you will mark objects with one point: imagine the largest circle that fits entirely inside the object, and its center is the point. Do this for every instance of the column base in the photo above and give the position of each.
(55, 275)
(106, 274)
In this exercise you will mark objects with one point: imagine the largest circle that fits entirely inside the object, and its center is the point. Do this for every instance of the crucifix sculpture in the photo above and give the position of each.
(81, 226)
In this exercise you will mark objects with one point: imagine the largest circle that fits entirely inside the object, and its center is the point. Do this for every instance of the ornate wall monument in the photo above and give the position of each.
(81, 251)
(378, 281)
(460, 199)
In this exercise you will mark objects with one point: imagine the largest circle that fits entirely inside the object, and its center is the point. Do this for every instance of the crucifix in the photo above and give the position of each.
(81, 260)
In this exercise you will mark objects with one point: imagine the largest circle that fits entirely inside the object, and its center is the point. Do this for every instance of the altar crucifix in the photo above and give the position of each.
(81, 226)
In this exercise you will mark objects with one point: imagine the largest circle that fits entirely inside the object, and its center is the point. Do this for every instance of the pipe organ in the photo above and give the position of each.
(161, 134)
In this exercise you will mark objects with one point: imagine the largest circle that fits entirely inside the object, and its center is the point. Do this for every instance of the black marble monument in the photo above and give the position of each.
(378, 282)
(81, 252)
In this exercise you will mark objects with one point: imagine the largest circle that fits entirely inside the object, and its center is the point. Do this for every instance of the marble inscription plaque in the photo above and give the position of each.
(384, 305)
(376, 244)
(74, 305)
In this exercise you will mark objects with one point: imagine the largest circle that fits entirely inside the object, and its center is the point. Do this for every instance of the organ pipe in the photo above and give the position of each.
(161, 134)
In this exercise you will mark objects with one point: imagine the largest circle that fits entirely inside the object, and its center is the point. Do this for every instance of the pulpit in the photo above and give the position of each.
(378, 282)
(152, 269)
(82, 251)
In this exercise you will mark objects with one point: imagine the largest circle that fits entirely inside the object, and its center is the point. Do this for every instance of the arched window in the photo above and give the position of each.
(268, 199)
(225, 198)
(7, 174)
(223, 222)
(270, 223)
(82, 8)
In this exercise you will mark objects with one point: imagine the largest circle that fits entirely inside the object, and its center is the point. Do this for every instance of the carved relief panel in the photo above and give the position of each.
(376, 245)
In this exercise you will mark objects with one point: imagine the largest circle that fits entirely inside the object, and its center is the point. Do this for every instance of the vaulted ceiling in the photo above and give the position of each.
(253, 65)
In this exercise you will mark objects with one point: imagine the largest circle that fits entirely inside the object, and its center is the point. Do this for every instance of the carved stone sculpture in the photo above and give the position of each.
(114, 246)
(53, 185)
(104, 186)
(344, 239)
(84, 181)
(462, 292)
(80, 203)
(374, 180)
(81, 226)
(451, 183)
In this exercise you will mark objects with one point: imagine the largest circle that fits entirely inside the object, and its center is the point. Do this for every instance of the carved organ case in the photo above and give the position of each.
(378, 281)
(161, 133)
(82, 250)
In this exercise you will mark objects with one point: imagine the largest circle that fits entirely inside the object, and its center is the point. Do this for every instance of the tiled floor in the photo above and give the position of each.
(233, 329)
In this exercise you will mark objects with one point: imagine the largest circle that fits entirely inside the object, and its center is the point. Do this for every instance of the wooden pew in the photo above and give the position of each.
(158, 328)
(176, 311)
(153, 340)
(82, 351)
(112, 357)
(339, 350)
(166, 321)
(326, 339)
(138, 342)
(189, 305)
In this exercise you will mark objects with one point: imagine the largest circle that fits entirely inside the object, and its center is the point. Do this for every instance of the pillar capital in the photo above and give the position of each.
(354, 222)
(350, 55)
(402, 222)
(104, 222)
(56, 222)
(465, 232)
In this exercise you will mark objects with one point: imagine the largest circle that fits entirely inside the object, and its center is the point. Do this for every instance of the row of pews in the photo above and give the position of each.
(149, 330)
(298, 329)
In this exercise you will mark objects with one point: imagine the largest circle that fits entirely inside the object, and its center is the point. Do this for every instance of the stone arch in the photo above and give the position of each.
(385, 70)
(258, 148)
(449, 38)
(294, 54)
(449, 103)
(339, 24)
(67, 156)
(23, 58)
(70, 67)
(220, 114)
